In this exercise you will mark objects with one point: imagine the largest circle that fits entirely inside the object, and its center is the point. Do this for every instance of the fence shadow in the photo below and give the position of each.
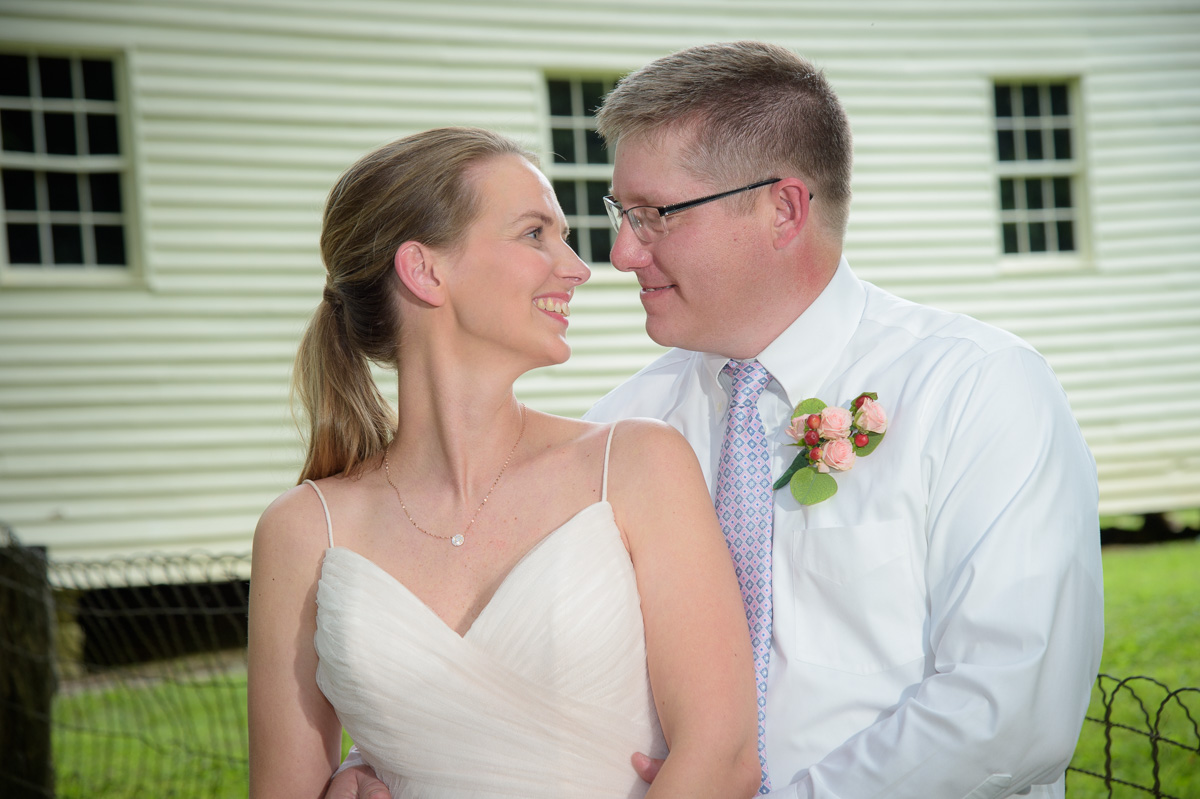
(126, 678)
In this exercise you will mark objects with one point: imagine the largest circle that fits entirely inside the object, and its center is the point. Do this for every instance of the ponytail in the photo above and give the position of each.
(348, 420)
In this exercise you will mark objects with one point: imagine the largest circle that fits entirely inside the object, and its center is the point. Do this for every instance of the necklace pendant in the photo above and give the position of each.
(457, 540)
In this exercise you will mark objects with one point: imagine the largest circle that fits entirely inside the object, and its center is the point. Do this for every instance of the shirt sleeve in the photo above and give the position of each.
(1015, 600)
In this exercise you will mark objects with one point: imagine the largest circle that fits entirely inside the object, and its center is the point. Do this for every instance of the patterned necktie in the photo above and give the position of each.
(744, 507)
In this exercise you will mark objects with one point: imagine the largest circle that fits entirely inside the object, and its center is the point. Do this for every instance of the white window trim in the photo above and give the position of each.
(1075, 168)
(126, 164)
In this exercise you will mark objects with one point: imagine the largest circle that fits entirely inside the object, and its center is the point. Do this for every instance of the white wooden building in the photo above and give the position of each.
(1034, 163)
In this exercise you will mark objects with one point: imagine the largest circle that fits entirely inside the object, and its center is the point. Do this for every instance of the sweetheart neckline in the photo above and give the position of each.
(499, 587)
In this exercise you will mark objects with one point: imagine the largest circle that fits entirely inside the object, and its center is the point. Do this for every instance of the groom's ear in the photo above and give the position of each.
(420, 270)
(790, 198)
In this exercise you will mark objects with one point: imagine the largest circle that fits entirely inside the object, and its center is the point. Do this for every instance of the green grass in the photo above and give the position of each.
(184, 738)
(188, 738)
(1152, 628)
(167, 739)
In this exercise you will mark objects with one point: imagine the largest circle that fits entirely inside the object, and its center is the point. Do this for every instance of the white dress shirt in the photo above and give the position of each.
(937, 622)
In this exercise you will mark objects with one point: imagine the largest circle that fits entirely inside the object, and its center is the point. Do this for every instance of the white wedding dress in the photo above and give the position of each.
(546, 695)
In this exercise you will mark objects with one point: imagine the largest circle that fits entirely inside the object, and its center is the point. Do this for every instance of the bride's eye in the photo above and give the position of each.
(536, 233)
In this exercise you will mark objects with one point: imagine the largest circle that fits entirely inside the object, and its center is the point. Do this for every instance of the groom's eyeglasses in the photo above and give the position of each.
(649, 222)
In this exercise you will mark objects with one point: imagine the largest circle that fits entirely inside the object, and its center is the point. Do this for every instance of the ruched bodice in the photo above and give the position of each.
(547, 694)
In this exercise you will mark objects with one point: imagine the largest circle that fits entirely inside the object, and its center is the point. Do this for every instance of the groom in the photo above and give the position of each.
(932, 628)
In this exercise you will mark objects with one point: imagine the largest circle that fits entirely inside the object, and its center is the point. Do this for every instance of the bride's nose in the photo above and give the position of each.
(571, 267)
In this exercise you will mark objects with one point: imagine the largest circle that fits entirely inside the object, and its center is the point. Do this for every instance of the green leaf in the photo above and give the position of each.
(810, 486)
(869, 394)
(872, 443)
(800, 462)
(808, 406)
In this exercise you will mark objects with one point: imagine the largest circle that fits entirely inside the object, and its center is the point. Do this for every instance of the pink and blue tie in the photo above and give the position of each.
(744, 507)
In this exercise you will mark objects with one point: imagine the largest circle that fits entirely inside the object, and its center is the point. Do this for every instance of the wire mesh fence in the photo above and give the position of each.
(122, 678)
(126, 678)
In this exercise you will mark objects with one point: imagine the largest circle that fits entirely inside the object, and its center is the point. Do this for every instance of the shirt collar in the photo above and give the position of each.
(801, 358)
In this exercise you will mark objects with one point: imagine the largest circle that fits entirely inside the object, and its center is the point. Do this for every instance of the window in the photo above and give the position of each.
(62, 165)
(581, 169)
(1039, 167)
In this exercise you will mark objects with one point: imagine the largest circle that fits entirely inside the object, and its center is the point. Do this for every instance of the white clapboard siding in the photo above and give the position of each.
(153, 415)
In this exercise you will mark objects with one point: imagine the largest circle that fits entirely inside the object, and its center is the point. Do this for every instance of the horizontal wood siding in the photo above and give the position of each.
(153, 416)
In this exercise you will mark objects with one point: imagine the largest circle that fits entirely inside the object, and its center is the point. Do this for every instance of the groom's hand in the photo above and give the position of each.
(646, 767)
(357, 782)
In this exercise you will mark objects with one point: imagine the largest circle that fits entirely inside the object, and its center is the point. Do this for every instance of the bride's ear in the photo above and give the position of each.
(419, 270)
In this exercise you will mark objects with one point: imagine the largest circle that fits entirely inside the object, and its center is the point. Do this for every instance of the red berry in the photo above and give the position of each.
(814, 421)
(812, 438)
(814, 454)
(861, 440)
(858, 403)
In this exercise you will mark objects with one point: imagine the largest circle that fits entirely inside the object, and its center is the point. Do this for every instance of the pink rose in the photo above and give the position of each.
(798, 428)
(870, 417)
(837, 455)
(835, 423)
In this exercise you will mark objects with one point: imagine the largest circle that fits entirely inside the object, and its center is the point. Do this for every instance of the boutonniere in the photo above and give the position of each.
(831, 439)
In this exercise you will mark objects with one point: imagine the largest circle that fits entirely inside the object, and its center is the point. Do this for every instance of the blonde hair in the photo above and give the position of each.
(414, 189)
(753, 111)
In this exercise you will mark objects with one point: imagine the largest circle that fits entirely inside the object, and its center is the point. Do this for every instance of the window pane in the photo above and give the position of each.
(64, 191)
(1066, 236)
(1058, 100)
(14, 75)
(596, 153)
(1062, 143)
(563, 142)
(106, 192)
(593, 96)
(19, 194)
(1003, 101)
(1062, 193)
(1029, 99)
(1037, 236)
(1033, 194)
(1007, 145)
(110, 245)
(60, 134)
(560, 98)
(23, 245)
(1033, 145)
(68, 244)
(98, 80)
(16, 130)
(600, 244)
(102, 134)
(1008, 197)
(56, 77)
(564, 190)
(1010, 237)
(596, 189)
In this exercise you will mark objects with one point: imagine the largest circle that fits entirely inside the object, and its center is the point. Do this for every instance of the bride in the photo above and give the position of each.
(491, 601)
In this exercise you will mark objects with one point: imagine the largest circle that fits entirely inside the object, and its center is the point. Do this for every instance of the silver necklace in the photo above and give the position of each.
(457, 540)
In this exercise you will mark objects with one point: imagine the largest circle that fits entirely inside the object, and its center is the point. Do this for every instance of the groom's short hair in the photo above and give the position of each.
(753, 111)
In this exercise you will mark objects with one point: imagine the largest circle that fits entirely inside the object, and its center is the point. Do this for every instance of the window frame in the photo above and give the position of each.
(1073, 169)
(576, 172)
(125, 164)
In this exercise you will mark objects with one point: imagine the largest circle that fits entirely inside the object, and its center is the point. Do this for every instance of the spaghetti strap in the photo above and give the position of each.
(604, 477)
(325, 507)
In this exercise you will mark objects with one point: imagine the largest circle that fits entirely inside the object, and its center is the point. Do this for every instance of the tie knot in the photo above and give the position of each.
(750, 379)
